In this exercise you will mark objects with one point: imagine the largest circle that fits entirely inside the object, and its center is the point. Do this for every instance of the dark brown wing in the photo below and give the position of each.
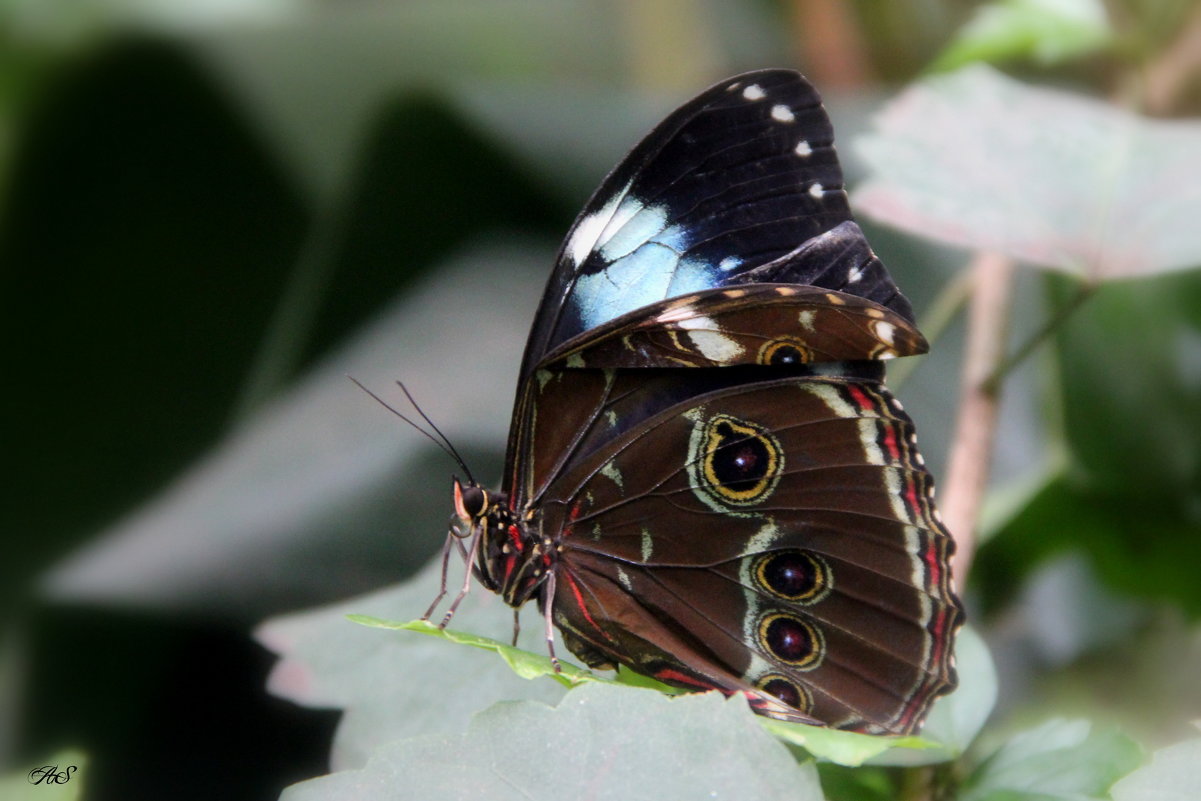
(776, 538)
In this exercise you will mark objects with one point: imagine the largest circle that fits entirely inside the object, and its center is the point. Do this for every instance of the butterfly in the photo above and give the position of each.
(707, 480)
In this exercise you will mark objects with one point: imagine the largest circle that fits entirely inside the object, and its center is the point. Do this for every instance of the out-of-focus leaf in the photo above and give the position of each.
(842, 747)
(324, 486)
(1174, 774)
(1045, 31)
(950, 728)
(524, 663)
(1141, 545)
(1130, 371)
(600, 742)
(1130, 377)
(394, 685)
(1049, 177)
(144, 240)
(1058, 761)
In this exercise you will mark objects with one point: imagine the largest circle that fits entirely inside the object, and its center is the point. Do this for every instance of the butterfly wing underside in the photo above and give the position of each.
(703, 431)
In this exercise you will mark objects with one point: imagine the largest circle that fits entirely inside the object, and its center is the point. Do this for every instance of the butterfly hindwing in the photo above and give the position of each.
(780, 526)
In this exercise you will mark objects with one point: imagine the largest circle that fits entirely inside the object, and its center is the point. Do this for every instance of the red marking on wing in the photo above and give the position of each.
(673, 676)
(890, 443)
(579, 602)
(860, 397)
(938, 629)
(915, 507)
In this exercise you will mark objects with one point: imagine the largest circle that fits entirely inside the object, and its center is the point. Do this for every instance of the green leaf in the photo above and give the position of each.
(1174, 774)
(1044, 31)
(841, 747)
(956, 719)
(524, 663)
(1144, 545)
(601, 741)
(1059, 760)
(1048, 177)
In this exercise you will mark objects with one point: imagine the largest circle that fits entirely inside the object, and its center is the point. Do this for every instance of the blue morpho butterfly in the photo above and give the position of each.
(707, 480)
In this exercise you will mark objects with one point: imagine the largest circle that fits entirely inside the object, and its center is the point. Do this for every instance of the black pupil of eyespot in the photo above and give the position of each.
(785, 354)
(784, 690)
(789, 639)
(790, 573)
(741, 460)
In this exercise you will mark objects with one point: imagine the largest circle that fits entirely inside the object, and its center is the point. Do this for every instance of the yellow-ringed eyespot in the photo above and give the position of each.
(793, 575)
(791, 640)
(786, 690)
(784, 351)
(740, 462)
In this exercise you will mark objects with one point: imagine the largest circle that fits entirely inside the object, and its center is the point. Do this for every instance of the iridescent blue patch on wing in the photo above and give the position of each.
(631, 282)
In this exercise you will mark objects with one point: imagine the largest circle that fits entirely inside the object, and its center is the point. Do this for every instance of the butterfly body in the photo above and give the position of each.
(707, 480)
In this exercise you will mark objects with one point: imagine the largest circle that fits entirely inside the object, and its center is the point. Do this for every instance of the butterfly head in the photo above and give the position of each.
(471, 503)
(509, 557)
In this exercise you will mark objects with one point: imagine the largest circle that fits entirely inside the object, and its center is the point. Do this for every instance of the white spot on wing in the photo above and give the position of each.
(675, 314)
(729, 263)
(708, 339)
(624, 579)
(782, 113)
(896, 498)
(648, 545)
(867, 437)
(816, 190)
(589, 229)
(853, 275)
(832, 399)
(806, 319)
(803, 149)
(885, 331)
(611, 472)
(754, 92)
(761, 541)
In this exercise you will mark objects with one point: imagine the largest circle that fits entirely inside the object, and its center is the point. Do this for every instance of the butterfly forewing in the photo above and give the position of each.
(742, 184)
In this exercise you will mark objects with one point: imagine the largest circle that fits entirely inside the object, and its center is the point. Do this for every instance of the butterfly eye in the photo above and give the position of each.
(469, 502)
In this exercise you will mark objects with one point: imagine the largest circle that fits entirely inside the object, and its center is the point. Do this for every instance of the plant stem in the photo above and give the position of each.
(971, 451)
(993, 382)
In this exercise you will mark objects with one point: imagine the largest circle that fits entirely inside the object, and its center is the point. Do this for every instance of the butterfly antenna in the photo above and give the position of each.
(442, 443)
(449, 447)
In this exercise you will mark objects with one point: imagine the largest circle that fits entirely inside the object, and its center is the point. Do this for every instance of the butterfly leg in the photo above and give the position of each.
(550, 627)
(471, 550)
(516, 625)
(451, 536)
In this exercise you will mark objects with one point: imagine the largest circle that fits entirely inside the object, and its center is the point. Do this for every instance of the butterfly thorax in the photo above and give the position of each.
(512, 557)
